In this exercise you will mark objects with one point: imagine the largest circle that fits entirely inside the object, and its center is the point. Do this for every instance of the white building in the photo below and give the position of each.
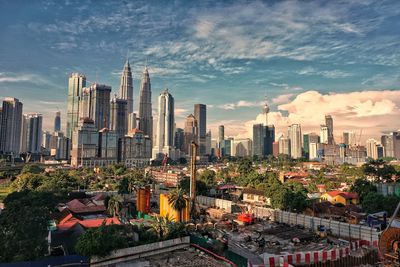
(324, 134)
(294, 134)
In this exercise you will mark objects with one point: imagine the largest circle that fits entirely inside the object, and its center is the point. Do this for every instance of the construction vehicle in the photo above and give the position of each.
(389, 241)
(246, 217)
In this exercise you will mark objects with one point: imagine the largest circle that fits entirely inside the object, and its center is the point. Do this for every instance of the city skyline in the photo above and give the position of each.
(350, 71)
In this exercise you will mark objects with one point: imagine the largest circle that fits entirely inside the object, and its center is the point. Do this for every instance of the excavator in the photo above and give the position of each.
(389, 241)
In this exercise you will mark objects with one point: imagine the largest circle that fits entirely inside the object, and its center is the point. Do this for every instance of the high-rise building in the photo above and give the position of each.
(387, 143)
(126, 87)
(191, 132)
(32, 133)
(108, 146)
(145, 111)
(200, 113)
(329, 124)
(221, 134)
(396, 144)
(180, 139)
(57, 122)
(132, 121)
(307, 140)
(165, 126)
(242, 147)
(284, 145)
(263, 137)
(324, 134)
(374, 149)
(294, 134)
(208, 142)
(10, 126)
(119, 118)
(86, 144)
(134, 149)
(95, 104)
(76, 83)
(275, 149)
(313, 149)
(349, 138)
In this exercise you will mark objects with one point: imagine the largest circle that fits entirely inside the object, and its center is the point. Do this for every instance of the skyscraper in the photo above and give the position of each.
(126, 87)
(349, 138)
(200, 113)
(145, 111)
(119, 118)
(179, 139)
(329, 124)
(191, 133)
(208, 142)
(10, 126)
(284, 145)
(263, 137)
(95, 104)
(221, 134)
(32, 133)
(294, 134)
(76, 82)
(165, 125)
(57, 122)
(307, 140)
(324, 134)
(387, 143)
(396, 144)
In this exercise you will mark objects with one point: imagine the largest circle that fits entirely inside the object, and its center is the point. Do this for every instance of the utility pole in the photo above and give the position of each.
(193, 180)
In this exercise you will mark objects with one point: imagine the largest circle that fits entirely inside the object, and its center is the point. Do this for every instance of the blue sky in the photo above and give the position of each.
(227, 55)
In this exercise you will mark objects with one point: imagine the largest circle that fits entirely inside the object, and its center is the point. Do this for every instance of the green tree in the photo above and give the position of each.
(178, 201)
(201, 187)
(245, 166)
(114, 205)
(101, 241)
(31, 168)
(161, 227)
(23, 225)
(362, 187)
(208, 177)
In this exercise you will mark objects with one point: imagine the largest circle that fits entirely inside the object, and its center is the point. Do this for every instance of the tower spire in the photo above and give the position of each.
(265, 110)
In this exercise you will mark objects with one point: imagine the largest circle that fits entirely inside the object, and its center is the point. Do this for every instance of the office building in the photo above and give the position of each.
(396, 144)
(76, 83)
(387, 143)
(294, 134)
(86, 144)
(179, 139)
(108, 147)
(275, 148)
(145, 109)
(132, 121)
(349, 138)
(242, 147)
(307, 140)
(200, 113)
(126, 87)
(164, 143)
(221, 135)
(329, 125)
(57, 122)
(208, 142)
(191, 132)
(284, 146)
(119, 116)
(32, 133)
(263, 137)
(324, 134)
(134, 149)
(374, 149)
(11, 126)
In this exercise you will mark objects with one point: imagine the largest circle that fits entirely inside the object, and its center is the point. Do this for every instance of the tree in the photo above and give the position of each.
(23, 225)
(201, 187)
(31, 168)
(362, 187)
(178, 201)
(373, 202)
(101, 241)
(208, 177)
(245, 166)
(160, 225)
(114, 205)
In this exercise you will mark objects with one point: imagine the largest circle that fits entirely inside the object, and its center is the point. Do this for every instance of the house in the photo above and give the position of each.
(344, 198)
(254, 196)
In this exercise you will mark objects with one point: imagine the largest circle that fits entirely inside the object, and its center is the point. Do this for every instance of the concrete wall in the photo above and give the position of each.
(215, 202)
(339, 229)
(132, 253)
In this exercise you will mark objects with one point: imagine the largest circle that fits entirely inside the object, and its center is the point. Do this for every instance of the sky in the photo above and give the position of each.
(309, 58)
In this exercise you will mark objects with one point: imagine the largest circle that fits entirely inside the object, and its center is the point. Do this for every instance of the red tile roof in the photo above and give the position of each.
(91, 223)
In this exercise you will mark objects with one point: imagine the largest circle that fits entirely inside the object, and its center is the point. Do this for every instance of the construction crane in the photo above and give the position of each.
(389, 241)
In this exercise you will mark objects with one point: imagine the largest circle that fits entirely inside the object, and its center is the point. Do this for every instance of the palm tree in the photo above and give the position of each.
(114, 205)
(178, 201)
(161, 226)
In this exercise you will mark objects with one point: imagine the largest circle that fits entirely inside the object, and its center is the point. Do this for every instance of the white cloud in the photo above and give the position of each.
(240, 104)
(372, 111)
(332, 74)
(282, 98)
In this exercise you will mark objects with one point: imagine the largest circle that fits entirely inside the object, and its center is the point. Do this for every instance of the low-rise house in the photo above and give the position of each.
(344, 198)
(254, 196)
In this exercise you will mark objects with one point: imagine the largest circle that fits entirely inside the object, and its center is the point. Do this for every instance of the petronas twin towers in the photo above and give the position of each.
(126, 93)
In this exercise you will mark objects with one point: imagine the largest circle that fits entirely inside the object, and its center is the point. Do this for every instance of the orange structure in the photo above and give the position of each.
(143, 199)
(167, 211)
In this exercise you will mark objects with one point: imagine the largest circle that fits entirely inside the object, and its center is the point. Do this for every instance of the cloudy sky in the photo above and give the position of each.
(310, 58)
